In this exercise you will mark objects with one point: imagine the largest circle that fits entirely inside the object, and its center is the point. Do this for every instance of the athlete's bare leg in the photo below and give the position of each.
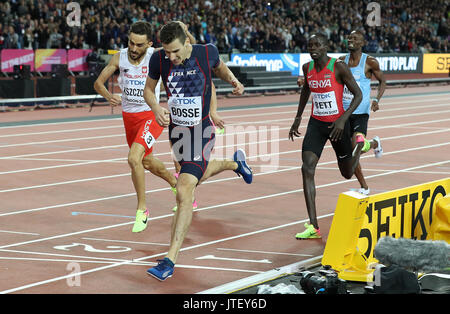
(216, 167)
(135, 156)
(157, 167)
(358, 171)
(183, 217)
(348, 166)
(309, 186)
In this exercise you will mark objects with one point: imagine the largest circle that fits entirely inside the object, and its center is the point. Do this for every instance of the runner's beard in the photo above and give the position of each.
(135, 56)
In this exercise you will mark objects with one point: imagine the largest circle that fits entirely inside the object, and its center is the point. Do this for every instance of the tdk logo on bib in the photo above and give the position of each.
(185, 101)
(185, 111)
(135, 82)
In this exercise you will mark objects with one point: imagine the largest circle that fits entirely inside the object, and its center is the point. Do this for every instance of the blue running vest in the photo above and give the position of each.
(363, 83)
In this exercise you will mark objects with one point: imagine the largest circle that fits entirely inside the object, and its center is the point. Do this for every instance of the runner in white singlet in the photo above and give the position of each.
(140, 124)
(132, 79)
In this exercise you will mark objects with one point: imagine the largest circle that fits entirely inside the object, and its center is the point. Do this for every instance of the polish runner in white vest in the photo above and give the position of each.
(141, 127)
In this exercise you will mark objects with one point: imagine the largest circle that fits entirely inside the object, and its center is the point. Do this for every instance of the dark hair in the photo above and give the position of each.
(322, 37)
(141, 28)
(360, 33)
(172, 31)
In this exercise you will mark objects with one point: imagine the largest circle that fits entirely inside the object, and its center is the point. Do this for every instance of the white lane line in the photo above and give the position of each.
(250, 158)
(168, 153)
(19, 232)
(63, 131)
(213, 181)
(384, 170)
(123, 241)
(226, 204)
(64, 165)
(261, 261)
(388, 100)
(223, 116)
(64, 182)
(35, 259)
(71, 139)
(401, 116)
(237, 133)
(263, 252)
(127, 263)
(114, 260)
(194, 246)
(71, 275)
(43, 123)
(63, 140)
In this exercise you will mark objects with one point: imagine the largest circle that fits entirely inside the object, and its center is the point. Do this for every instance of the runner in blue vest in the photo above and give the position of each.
(186, 72)
(362, 67)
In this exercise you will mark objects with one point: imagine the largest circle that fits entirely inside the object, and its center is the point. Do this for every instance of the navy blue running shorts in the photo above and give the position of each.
(192, 147)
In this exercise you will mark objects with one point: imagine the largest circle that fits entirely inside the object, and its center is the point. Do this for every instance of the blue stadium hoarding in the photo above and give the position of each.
(272, 61)
(389, 62)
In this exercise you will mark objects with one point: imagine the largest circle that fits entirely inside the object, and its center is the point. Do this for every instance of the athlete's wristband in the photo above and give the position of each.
(375, 99)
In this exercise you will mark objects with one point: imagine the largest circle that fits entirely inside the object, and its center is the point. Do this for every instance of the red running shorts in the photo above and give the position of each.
(141, 128)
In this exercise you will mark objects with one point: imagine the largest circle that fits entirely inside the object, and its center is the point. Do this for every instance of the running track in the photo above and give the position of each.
(67, 202)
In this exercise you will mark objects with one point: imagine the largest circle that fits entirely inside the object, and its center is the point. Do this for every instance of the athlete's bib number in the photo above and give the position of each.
(149, 139)
(186, 111)
(324, 104)
(347, 95)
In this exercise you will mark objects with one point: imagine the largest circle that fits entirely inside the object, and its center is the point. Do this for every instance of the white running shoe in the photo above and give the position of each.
(364, 191)
(379, 150)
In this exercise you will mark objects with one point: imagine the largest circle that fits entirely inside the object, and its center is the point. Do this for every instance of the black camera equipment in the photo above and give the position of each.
(326, 282)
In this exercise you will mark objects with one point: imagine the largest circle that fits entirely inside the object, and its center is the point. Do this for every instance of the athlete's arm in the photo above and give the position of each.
(107, 72)
(189, 35)
(225, 74)
(191, 38)
(375, 69)
(216, 119)
(161, 114)
(304, 96)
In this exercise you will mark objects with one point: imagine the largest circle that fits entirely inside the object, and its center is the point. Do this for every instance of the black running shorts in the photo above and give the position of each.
(358, 123)
(317, 134)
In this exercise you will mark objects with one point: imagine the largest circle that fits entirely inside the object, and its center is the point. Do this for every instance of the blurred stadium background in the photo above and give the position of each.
(52, 51)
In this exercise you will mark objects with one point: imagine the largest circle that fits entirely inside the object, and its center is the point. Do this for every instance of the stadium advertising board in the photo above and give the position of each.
(273, 62)
(436, 63)
(360, 221)
(77, 59)
(12, 57)
(406, 213)
(389, 63)
(44, 58)
(399, 63)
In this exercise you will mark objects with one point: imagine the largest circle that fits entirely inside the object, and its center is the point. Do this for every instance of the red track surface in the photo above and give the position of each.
(50, 171)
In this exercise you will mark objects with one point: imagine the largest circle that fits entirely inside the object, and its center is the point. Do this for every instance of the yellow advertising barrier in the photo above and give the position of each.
(440, 228)
(436, 63)
(360, 221)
